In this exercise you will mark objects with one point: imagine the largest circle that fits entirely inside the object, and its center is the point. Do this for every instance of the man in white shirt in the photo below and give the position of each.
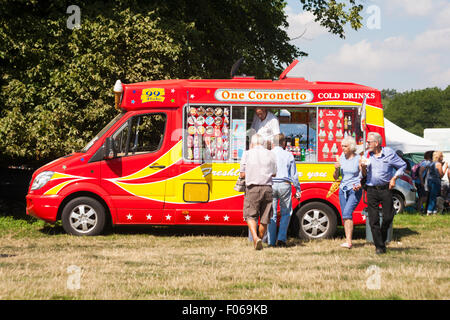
(266, 124)
(258, 166)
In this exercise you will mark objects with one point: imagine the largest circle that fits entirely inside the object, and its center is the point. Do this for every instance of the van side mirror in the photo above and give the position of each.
(109, 151)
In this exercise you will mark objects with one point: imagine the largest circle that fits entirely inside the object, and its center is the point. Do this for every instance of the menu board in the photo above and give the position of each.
(208, 133)
(331, 134)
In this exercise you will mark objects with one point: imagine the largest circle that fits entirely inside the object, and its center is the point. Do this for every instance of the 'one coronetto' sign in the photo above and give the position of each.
(254, 95)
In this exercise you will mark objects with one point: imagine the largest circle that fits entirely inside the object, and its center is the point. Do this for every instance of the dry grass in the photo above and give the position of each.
(174, 263)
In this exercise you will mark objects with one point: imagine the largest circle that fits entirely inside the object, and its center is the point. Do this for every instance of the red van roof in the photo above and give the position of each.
(178, 92)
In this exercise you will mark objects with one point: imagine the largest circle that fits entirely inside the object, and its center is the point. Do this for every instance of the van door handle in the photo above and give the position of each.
(156, 167)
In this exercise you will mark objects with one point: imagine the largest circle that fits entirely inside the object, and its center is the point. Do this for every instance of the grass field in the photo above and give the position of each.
(41, 262)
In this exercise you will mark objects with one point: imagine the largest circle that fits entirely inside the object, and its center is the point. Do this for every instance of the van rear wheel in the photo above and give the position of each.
(83, 216)
(316, 220)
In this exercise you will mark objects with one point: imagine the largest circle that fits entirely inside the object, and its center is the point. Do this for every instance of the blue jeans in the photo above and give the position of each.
(434, 187)
(349, 199)
(282, 192)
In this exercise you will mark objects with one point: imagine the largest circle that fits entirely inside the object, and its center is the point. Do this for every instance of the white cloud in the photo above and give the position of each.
(303, 23)
(412, 8)
(396, 62)
(403, 61)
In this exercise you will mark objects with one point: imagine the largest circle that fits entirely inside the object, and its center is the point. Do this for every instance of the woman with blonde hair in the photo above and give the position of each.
(436, 172)
(350, 191)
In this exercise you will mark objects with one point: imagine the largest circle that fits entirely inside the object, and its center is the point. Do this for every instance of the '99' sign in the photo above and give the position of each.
(153, 94)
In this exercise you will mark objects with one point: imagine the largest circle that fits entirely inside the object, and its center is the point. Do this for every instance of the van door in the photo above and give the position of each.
(135, 178)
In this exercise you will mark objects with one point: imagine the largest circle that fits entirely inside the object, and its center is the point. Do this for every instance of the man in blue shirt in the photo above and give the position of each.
(282, 192)
(378, 168)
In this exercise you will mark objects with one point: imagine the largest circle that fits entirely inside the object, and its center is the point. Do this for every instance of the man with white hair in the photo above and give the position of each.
(258, 167)
(380, 182)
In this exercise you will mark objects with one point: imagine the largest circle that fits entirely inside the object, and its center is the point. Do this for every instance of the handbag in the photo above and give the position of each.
(240, 185)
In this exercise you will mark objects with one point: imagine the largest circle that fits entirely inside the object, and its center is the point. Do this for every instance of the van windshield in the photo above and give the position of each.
(102, 132)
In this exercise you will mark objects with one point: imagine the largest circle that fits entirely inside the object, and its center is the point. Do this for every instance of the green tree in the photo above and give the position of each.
(419, 109)
(56, 83)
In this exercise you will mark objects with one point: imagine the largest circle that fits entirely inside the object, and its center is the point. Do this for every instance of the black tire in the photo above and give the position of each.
(84, 216)
(316, 220)
(398, 203)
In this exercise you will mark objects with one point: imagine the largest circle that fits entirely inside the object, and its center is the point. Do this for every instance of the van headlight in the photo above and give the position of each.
(41, 179)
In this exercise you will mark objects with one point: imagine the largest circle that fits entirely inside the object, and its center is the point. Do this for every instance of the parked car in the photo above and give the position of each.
(404, 193)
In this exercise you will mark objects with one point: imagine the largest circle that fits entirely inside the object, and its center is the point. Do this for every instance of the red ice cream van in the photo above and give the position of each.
(171, 156)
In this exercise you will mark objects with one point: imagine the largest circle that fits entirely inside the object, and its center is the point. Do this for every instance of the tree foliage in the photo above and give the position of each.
(334, 15)
(56, 83)
(417, 110)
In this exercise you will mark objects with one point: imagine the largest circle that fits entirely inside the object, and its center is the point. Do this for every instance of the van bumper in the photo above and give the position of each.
(43, 207)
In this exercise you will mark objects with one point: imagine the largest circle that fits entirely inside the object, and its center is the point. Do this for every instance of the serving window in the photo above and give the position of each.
(299, 127)
(221, 133)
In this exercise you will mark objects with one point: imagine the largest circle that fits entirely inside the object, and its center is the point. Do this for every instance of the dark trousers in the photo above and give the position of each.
(375, 197)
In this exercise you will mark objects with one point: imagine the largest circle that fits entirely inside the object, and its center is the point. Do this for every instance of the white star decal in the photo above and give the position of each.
(192, 96)
(168, 217)
(172, 91)
(149, 217)
(207, 218)
(129, 217)
(188, 217)
(226, 218)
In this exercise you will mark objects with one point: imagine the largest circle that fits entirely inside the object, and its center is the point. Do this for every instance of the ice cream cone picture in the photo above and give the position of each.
(334, 187)
(322, 135)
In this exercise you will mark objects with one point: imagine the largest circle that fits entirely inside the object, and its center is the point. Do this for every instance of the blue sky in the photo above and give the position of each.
(403, 45)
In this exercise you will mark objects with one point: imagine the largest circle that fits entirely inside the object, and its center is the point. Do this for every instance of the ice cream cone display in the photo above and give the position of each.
(334, 187)
(209, 130)
(192, 130)
(209, 112)
(339, 136)
(322, 135)
(330, 136)
(201, 111)
(118, 90)
(334, 125)
(200, 120)
(218, 112)
(330, 125)
(334, 150)
(325, 151)
(207, 124)
(201, 130)
(209, 120)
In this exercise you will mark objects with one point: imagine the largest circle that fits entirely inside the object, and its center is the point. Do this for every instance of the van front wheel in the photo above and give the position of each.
(316, 220)
(83, 216)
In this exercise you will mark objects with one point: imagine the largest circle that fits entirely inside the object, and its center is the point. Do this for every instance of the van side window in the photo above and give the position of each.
(299, 127)
(140, 134)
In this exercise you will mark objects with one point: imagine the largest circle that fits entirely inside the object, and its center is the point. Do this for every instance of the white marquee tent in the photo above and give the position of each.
(400, 139)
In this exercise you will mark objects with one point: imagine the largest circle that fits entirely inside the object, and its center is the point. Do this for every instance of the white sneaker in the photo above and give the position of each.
(346, 245)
